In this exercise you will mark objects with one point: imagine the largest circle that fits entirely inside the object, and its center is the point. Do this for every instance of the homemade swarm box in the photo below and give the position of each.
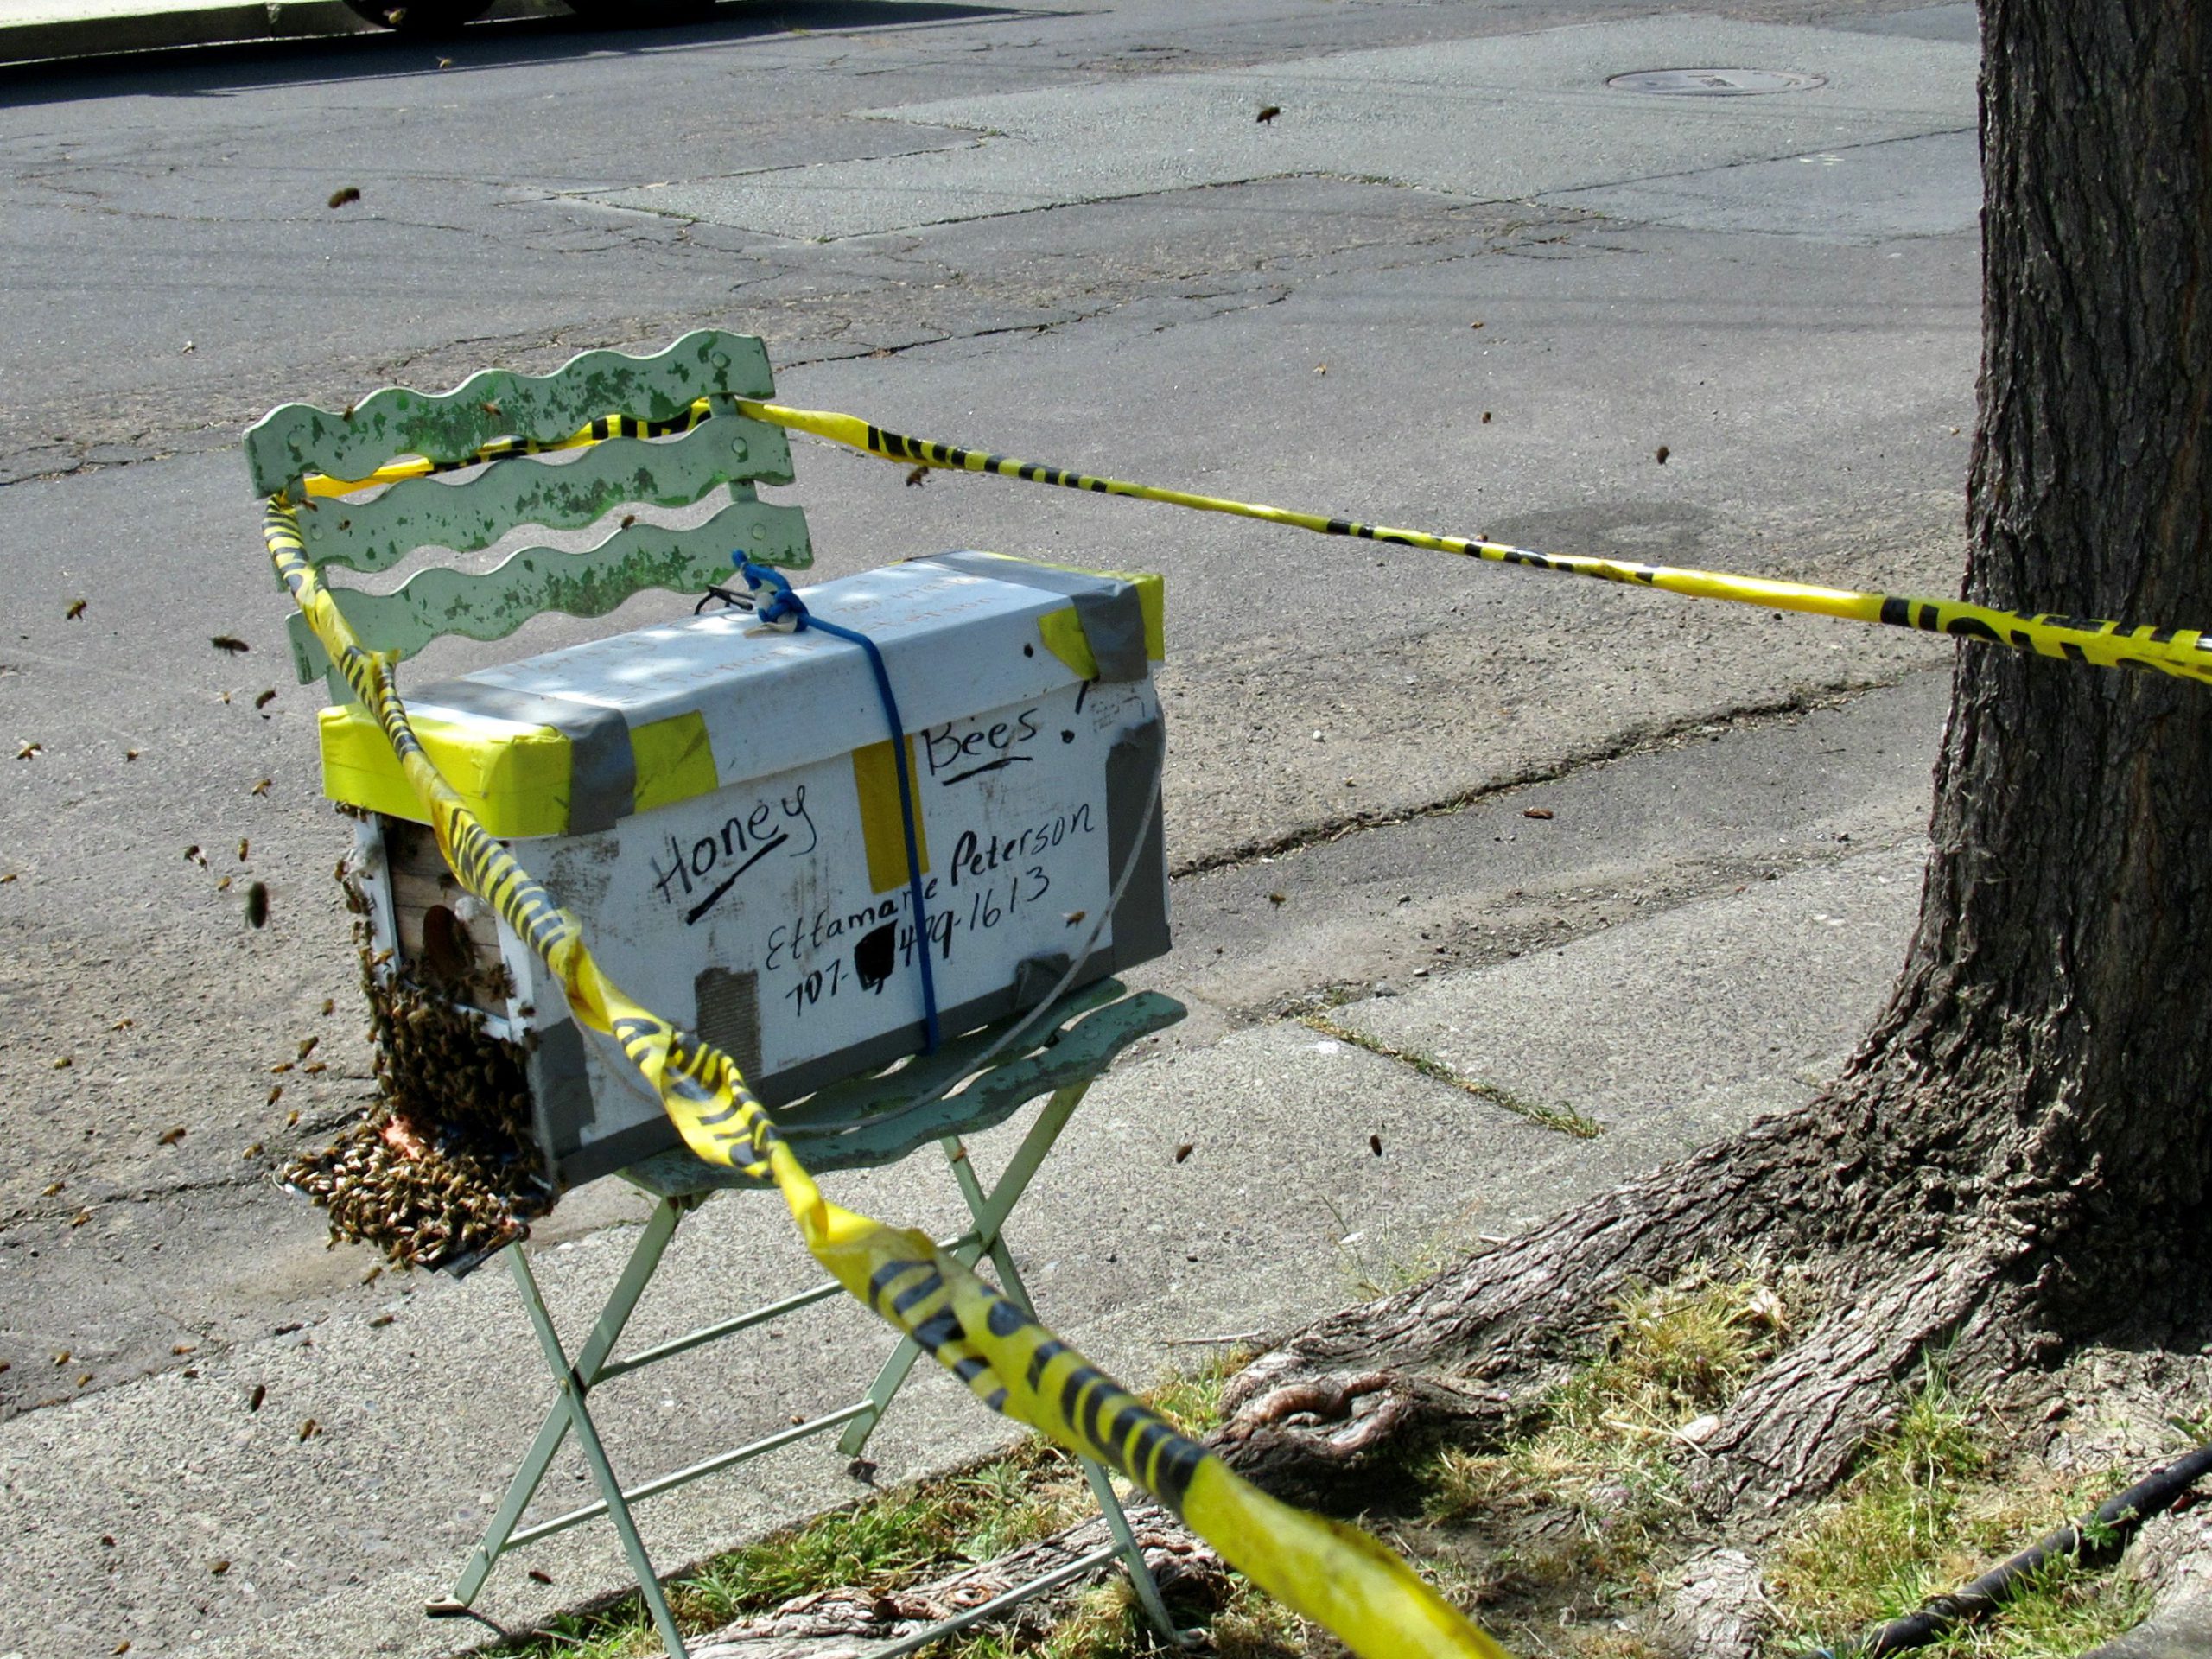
(717, 802)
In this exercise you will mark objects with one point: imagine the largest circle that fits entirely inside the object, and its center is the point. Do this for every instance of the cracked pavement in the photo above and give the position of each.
(1483, 304)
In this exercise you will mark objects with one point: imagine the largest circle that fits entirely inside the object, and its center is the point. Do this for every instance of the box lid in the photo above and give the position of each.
(570, 742)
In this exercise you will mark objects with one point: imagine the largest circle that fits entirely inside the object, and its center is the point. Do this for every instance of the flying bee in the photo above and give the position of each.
(918, 477)
(1268, 113)
(229, 642)
(256, 904)
(76, 609)
(265, 698)
(339, 199)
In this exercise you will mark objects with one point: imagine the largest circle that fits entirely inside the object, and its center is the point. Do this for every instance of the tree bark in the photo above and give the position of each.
(2047, 1046)
(2019, 1156)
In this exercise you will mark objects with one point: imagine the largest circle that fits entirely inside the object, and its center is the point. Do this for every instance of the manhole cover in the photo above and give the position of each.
(1714, 82)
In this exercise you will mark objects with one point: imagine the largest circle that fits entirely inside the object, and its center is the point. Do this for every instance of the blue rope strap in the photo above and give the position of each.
(777, 605)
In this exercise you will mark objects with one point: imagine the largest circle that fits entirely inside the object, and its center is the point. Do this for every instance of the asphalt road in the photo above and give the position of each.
(1457, 284)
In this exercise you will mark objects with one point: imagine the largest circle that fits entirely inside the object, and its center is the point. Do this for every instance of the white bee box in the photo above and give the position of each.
(727, 826)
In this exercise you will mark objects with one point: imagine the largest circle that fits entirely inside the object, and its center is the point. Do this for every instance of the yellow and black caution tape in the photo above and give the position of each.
(598, 432)
(1333, 1573)
(2183, 651)
(2112, 645)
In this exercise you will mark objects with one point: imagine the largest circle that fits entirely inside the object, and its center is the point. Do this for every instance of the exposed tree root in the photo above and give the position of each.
(1325, 1418)
(1330, 1418)
(1792, 1430)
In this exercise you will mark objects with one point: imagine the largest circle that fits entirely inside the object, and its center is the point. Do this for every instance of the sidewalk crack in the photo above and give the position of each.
(1563, 1120)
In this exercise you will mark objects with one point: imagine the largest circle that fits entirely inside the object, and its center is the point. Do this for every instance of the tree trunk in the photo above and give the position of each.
(2048, 1043)
(2018, 1157)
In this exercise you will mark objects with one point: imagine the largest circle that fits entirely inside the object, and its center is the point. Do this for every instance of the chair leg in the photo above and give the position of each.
(990, 1212)
(1101, 1484)
(575, 1388)
(1132, 1554)
(598, 1346)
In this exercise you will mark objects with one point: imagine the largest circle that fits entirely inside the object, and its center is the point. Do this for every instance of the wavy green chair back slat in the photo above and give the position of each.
(695, 384)
(438, 601)
(450, 426)
(462, 517)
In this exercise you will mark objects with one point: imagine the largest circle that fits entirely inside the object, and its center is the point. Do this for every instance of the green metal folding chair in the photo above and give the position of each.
(604, 435)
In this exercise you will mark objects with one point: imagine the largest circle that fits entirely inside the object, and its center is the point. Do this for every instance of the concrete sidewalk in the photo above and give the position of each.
(34, 31)
(1669, 1022)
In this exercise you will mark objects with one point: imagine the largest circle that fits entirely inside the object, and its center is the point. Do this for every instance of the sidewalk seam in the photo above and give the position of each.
(1560, 1120)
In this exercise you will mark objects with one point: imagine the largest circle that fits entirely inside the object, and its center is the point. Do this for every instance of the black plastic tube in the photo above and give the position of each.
(2098, 1537)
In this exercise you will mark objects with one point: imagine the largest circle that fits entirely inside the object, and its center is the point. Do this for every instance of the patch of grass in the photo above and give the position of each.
(1565, 1120)
(1254, 1625)
(1579, 1510)
(895, 1540)
(1874, 1553)
(1931, 1506)
(1192, 1396)
(921, 1531)
(905, 1536)
(2064, 1610)
(1104, 1624)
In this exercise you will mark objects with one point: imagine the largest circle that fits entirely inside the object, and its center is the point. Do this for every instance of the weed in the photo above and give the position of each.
(1874, 1553)
(1581, 1508)
(1564, 1119)
(1192, 1397)
(906, 1535)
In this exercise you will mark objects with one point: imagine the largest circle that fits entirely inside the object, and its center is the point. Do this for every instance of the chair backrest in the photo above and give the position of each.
(526, 430)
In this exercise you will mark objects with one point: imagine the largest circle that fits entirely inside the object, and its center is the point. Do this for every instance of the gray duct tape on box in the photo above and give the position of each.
(1111, 613)
(602, 772)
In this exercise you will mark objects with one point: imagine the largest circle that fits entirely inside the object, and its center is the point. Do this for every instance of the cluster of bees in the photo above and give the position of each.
(441, 1171)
